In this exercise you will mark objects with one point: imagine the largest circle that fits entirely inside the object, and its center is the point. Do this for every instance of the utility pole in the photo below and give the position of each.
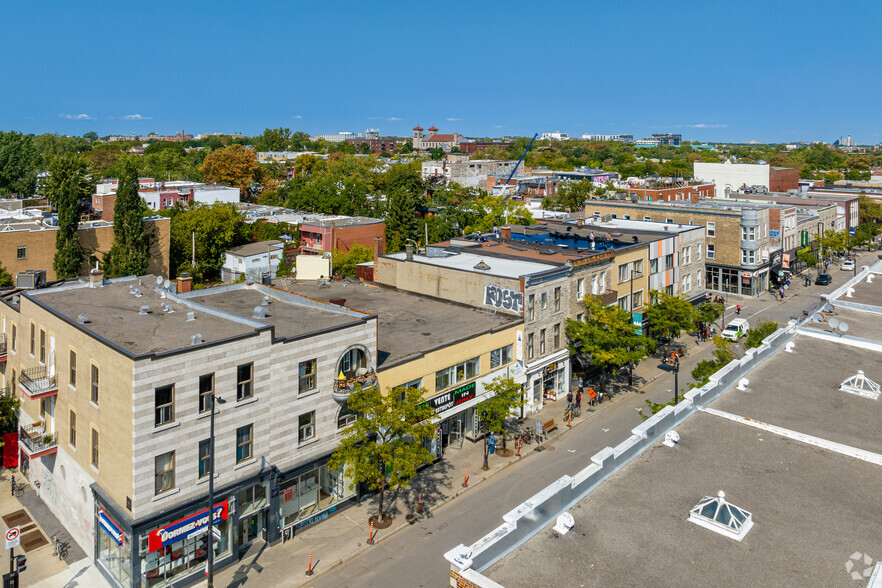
(193, 254)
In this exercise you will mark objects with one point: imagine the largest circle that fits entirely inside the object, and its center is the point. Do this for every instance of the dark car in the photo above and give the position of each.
(823, 280)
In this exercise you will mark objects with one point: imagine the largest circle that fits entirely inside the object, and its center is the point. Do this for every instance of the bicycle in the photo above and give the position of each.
(525, 437)
(18, 489)
(61, 547)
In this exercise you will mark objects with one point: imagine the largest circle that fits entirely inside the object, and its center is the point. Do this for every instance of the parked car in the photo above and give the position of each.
(847, 265)
(736, 329)
(823, 280)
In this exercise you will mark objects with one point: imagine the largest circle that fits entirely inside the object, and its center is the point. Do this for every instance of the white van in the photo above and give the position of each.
(736, 329)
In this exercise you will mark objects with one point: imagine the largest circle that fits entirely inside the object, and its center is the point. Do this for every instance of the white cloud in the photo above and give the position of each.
(453, 119)
(393, 118)
(706, 126)
(76, 116)
(498, 127)
(136, 117)
(374, 117)
(297, 116)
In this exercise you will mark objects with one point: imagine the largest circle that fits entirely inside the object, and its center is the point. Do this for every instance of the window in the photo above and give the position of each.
(748, 257)
(541, 341)
(698, 278)
(637, 299)
(306, 426)
(669, 261)
(243, 443)
(42, 346)
(531, 305)
(501, 356)
(22, 252)
(623, 302)
(94, 448)
(697, 253)
(647, 218)
(165, 405)
(307, 375)
(346, 417)
(457, 373)
(204, 457)
(711, 229)
(206, 391)
(580, 317)
(613, 215)
(73, 368)
(638, 268)
(669, 290)
(623, 273)
(686, 256)
(33, 337)
(164, 473)
(73, 429)
(556, 334)
(627, 217)
(243, 381)
(670, 221)
(94, 383)
(557, 298)
(580, 287)
(595, 213)
(14, 329)
(544, 301)
(748, 233)
(710, 251)
(530, 346)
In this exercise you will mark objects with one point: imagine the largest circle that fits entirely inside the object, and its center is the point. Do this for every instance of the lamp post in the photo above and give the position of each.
(486, 432)
(676, 384)
(209, 569)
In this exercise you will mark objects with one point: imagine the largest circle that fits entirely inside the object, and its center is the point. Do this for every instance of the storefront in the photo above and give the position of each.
(736, 281)
(548, 379)
(312, 495)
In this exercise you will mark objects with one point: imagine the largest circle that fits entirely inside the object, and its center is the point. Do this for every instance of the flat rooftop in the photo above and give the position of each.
(865, 292)
(409, 325)
(812, 509)
(858, 326)
(466, 261)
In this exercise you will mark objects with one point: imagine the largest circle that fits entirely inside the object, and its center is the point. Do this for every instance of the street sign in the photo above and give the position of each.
(13, 537)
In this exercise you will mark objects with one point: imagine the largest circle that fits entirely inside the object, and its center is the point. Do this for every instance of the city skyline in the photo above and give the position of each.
(708, 72)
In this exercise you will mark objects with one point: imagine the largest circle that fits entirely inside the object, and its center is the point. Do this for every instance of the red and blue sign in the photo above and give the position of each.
(110, 527)
(183, 528)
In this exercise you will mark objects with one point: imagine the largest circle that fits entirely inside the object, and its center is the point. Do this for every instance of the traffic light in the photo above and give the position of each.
(21, 563)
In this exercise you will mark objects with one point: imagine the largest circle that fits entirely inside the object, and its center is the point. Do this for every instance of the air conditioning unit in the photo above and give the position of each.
(31, 279)
(307, 432)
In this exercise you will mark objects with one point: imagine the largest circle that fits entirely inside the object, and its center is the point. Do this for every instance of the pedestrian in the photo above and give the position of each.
(781, 293)
(581, 386)
(810, 280)
(491, 442)
(676, 361)
(579, 400)
(630, 373)
(806, 282)
(737, 309)
(570, 399)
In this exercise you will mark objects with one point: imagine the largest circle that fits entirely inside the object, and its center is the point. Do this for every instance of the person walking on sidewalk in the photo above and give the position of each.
(569, 399)
(737, 309)
(491, 443)
(781, 292)
(579, 400)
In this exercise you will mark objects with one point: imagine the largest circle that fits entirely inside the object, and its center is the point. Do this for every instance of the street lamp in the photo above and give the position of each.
(676, 384)
(486, 432)
(209, 570)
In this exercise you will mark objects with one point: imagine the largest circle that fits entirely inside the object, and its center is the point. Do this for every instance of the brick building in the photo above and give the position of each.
(663, 193)
(341, 233)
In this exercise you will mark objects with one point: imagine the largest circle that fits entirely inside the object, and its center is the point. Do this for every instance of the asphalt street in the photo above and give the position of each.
(414, 556)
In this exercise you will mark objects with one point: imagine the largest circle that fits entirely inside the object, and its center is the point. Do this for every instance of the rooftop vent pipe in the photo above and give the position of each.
(196, 339)
(144, 309)
(191, 316)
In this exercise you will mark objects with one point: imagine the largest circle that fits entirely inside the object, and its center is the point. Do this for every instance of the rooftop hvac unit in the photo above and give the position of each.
(30, 279)
(196, 339)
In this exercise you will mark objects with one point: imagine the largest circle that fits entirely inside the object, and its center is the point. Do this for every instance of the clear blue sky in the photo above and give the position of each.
(729, 71)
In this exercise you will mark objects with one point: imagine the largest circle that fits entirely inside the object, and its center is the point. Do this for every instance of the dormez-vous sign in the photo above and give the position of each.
(110, 527)
(185, 527)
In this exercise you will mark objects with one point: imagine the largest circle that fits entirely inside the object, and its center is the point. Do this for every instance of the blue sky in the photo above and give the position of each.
(728, 71)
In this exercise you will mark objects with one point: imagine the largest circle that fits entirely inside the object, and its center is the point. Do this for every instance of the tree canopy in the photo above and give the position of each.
(130, 253)
(233, 166)
(344, 262)
(69, 181)
(669, 315)
(18, 164)
(217, 227)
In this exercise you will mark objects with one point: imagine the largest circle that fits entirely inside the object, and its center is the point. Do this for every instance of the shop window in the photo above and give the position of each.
(95, 448)
(303, 496)
(204, 457)
(556, 334)
(457, 373)
(164, 405)
(244, 375)
(206, 391)
(557, 299)
(244, 443)
(306, 426)
(164, 473)
(541, 341)
(94, 384)
(530, 346)
(306, 373)
(73, 368)
(72, 422)
(501, 356)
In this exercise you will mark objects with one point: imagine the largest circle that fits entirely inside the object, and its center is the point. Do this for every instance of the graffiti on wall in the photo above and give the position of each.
(503, 298)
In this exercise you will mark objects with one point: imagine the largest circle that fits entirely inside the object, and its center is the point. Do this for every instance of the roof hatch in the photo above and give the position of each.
(860, 385)
(722, 517)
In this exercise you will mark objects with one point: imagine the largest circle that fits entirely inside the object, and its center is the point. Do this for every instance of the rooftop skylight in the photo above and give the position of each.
(722, 517)
(860, 385)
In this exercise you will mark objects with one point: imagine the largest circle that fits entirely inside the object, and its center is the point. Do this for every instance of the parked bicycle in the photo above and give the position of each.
(525, 436)
(17, 489)
(61, 547)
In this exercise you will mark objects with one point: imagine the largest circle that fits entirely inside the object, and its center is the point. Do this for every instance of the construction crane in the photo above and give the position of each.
(511, 175)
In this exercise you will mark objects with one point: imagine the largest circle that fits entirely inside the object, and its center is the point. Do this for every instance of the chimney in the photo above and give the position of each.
(580, 222)
(96, 278)
(185, 283)
(505, 233)
(408, 252)
(376, 251)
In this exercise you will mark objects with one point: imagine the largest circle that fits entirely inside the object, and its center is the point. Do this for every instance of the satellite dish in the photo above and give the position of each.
(833, 323)
(166, 284)
(816, 318)
(159, 280)
(843, 327)
(828, 308)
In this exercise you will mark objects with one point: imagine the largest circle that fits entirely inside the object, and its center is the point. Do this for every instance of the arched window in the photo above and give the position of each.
(351, 361)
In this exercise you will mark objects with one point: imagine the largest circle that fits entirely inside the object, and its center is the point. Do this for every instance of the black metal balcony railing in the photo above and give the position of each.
(343, 388)
(35, 440)
(6, 390)
(36, 380)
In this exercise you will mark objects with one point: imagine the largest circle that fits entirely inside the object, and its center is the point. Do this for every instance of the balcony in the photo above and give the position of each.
(36, 382)
(346, 386)
(35, 442)
(2, 346)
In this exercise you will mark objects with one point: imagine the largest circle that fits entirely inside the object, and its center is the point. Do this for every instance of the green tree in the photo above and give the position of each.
(344, 262)
(69, 181)
(436, 153)
(505, 397)
(383, 447)
(407, 148)
(808, 259)
(669, 315)
(130, 253)
(869, 210)
(9, 406)
(233, 166)
(273, 140)
(571, 196)
(707, 312)
(217, 228)
(605, 338)
(18, 164)
(284, 268)
(5, 278)
(762, 329)
(401, 223)
(404, 176)
(702, 372)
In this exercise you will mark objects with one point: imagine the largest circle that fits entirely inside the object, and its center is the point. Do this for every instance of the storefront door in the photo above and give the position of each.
(456, 432)
(250, 527)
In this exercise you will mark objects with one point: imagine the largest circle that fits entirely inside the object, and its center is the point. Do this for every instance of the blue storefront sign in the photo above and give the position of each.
(638, 323)
(110, 527)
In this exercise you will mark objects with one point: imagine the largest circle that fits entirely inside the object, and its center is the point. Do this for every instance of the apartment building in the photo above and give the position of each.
(325, 235)
(159, 195)
(116, 380)
(731, 177)
(252, 260)
(457, 167)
